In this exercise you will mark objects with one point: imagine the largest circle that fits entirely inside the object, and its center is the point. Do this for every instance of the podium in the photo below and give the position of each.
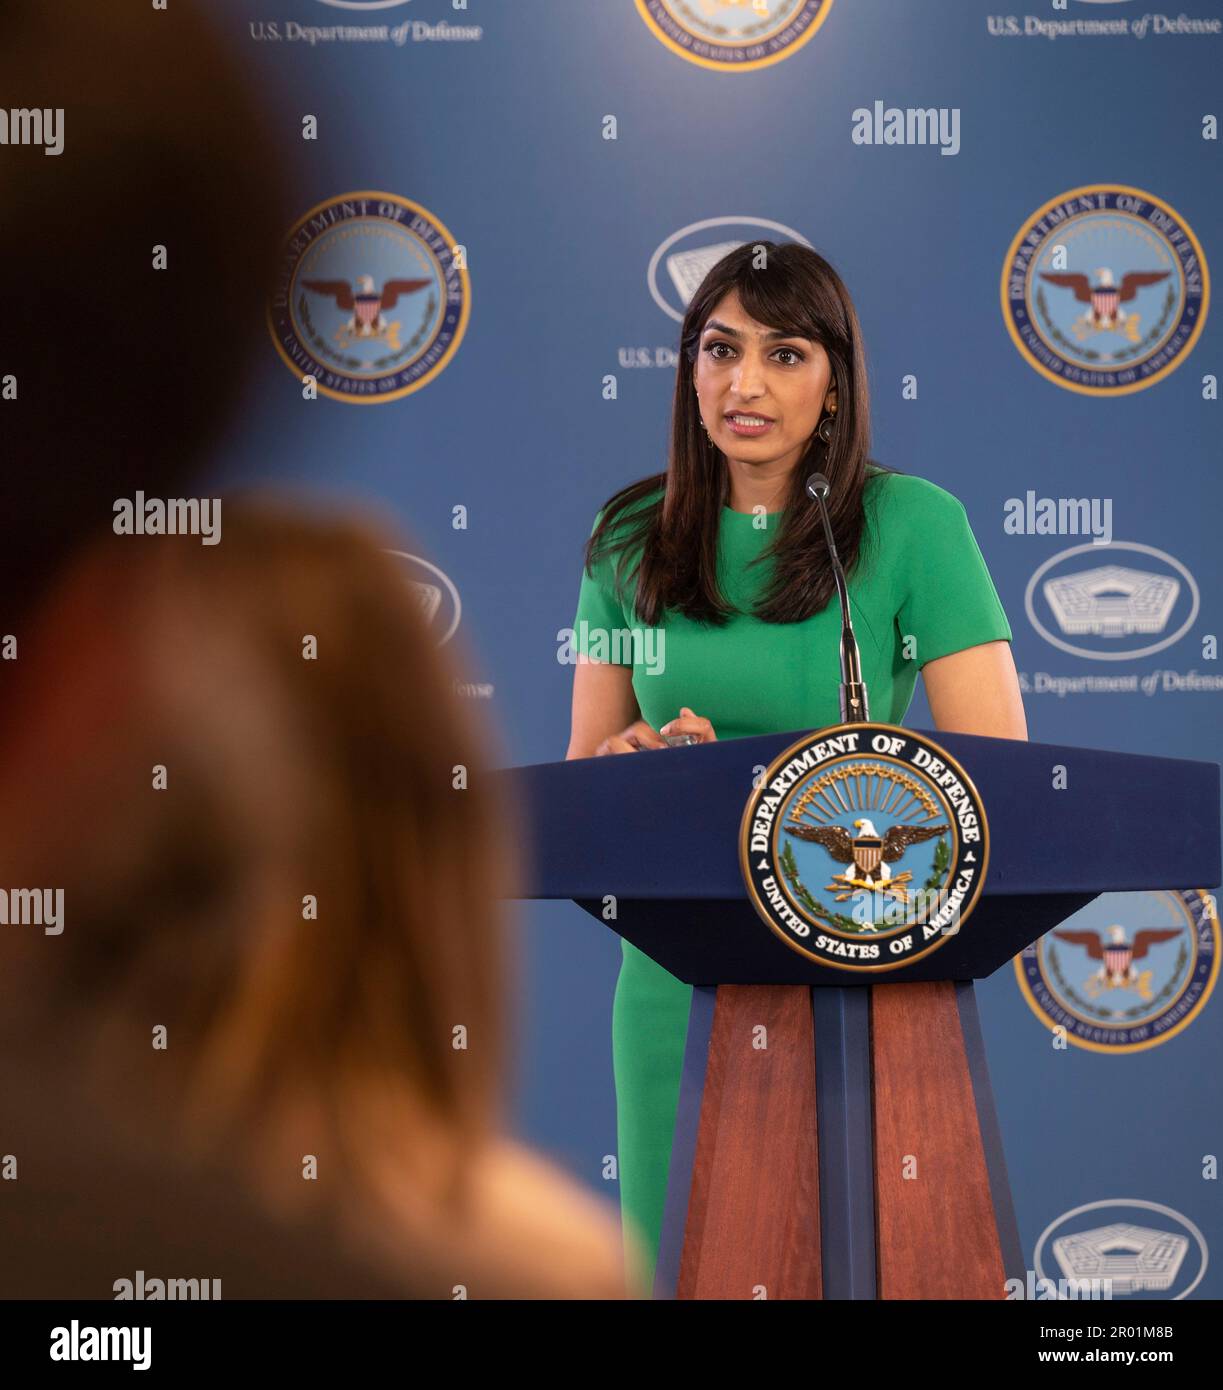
(856, 1154)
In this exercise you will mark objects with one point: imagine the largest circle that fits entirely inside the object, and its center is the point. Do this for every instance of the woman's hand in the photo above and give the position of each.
(689, 723)
(634, 739)
(640, 736)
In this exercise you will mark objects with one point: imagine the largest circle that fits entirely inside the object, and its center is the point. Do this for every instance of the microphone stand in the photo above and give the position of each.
(855, 708)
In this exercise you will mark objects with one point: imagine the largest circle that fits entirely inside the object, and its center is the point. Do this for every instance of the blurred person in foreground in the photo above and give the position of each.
(125, 378)
(122, 376)
(309, 908)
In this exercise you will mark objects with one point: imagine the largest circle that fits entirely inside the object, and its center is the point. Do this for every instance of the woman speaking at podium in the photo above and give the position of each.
(724, 556)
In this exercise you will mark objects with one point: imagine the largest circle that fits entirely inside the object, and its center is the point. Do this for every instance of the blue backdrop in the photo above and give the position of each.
(590, 157)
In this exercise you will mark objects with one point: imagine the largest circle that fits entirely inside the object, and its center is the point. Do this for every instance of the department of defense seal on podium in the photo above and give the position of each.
(864, 846)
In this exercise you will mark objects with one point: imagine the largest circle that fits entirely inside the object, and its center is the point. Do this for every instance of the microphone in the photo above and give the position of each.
(854, 706)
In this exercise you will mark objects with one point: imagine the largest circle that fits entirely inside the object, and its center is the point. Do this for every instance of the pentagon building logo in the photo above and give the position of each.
(1112, 601)
(686, 269)
(1132, 1258)
(429, 600)
(678, 266)
(435, 593)
(1136, 1249)
(1139, 601)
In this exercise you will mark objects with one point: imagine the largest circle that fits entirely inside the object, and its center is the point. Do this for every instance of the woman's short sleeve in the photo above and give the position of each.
(599, 609)
(948, 599)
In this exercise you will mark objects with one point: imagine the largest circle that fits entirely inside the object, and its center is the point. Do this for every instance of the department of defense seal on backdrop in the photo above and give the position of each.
(369, 298)
(1105, 289)
(864, 847)
(1127, 972)
(734, 35)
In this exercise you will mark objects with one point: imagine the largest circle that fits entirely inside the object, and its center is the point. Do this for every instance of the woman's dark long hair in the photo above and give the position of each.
(793, 289)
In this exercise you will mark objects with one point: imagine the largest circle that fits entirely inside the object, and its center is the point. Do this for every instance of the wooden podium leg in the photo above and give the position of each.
(750, 1211)
(938, 1236)
(753, 1223)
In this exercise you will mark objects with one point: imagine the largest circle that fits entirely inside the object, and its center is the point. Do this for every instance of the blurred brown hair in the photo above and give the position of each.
(285, 777)
(125, 374)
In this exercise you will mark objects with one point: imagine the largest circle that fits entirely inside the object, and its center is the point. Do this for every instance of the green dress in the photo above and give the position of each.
(921, 590)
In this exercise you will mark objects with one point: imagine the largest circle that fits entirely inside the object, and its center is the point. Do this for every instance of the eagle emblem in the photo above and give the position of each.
(367, 304)
(1117, 957)
(1104, 299)
(867, 855)
(865, 796)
